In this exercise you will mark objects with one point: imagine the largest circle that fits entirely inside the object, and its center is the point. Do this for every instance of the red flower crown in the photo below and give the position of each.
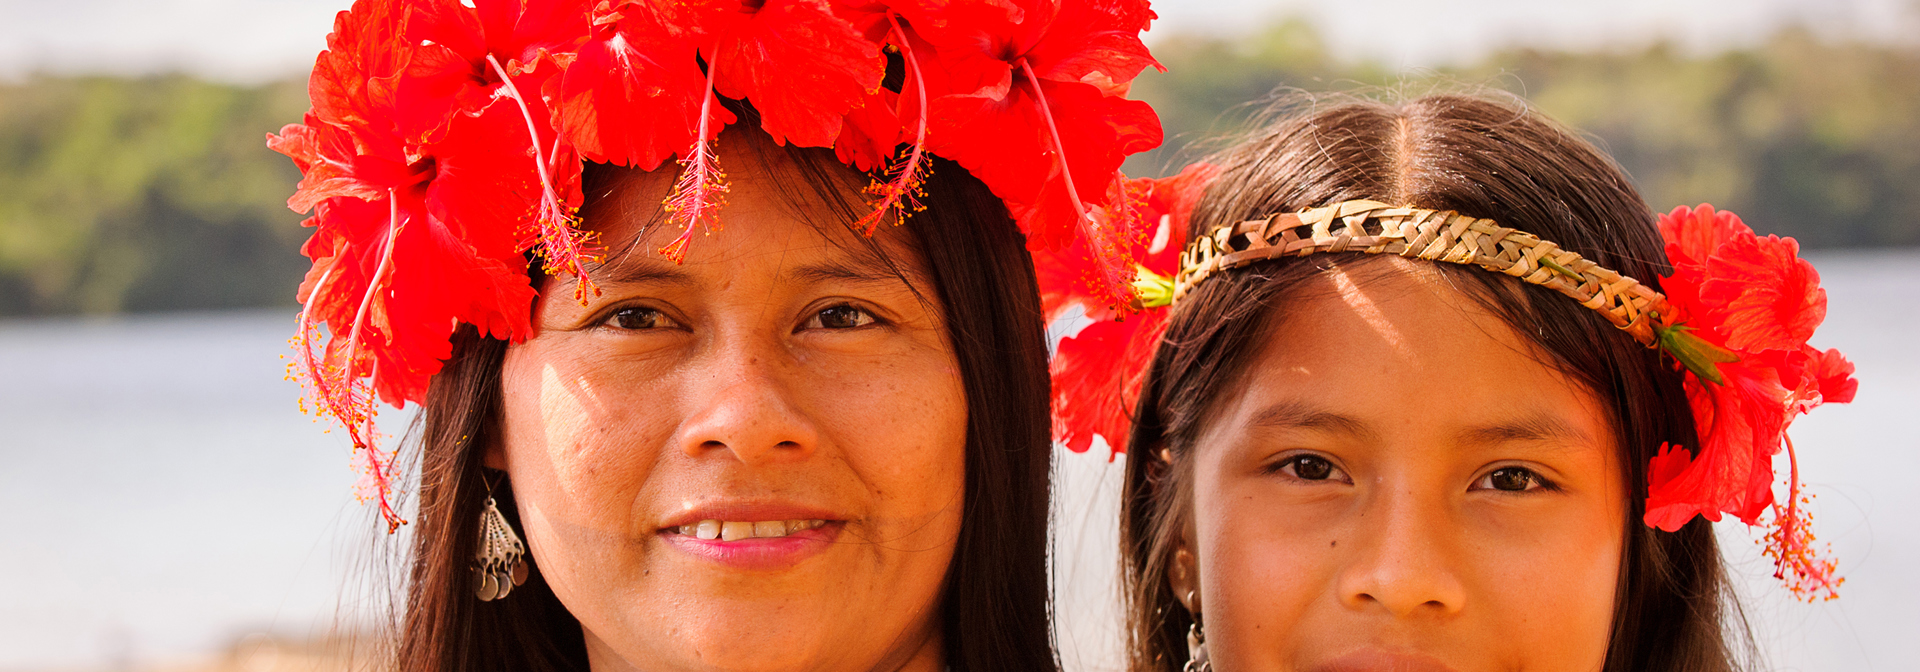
(1743, 308)
(446, 142)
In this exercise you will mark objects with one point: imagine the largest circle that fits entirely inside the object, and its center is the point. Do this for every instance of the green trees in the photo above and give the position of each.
(158, 193)
(145, 194)
(1813, 140)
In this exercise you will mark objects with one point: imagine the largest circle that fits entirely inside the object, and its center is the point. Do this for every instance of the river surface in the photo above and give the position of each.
(161, 495)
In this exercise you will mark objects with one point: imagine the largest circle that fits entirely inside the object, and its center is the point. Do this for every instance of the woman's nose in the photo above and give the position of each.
(746, 406)
(1405, 559)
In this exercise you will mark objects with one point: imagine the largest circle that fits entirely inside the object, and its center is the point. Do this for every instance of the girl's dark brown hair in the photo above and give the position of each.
(1674, 608)
(995, 605)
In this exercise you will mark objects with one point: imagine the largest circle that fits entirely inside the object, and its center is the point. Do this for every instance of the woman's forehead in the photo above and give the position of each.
(760, 231)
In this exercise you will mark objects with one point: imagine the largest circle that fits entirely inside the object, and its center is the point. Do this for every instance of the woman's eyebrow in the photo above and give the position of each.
(1539, 428)
(1299, 415)
(860, 270)
(632, 270)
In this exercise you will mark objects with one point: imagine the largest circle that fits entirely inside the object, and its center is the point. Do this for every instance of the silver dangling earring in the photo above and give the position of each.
(500, 563)
(1197, 646)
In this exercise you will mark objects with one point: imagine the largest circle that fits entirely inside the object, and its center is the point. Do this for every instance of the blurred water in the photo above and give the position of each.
(160, 494)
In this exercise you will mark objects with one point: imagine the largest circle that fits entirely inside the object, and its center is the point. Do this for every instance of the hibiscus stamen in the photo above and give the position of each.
(1113, 276)
(1790, 543)
(564, 247)
(697, 194)
(901, 192)
(352, 402)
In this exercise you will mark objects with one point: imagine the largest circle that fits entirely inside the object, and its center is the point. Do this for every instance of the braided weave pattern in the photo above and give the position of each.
(1377, 228)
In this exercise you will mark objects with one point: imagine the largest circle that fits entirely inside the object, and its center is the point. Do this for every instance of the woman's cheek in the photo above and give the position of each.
(901, 423)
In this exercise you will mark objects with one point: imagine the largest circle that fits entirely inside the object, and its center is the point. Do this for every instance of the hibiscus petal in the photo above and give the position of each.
(1769, 298)
(802, 67)
(642, 79)
(1096, 380)
(1095, 37)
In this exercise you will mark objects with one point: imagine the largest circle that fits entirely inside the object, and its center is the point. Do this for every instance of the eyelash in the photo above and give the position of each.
(1535, 482)
(1290, 467)
(660, 319)
(817, 321)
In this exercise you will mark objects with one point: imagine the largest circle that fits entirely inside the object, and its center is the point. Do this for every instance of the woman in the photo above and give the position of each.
(798, 441)
(1355, 450)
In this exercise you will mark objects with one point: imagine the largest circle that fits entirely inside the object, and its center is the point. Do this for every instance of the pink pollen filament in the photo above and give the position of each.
(899, 194)
(334, 387)
(564, 248)
(1790, 544)
(697, 193)
(1113, 274)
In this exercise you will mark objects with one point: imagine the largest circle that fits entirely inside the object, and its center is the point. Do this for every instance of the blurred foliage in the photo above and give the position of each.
(1805, 138)
(145, 194)
(158, 193)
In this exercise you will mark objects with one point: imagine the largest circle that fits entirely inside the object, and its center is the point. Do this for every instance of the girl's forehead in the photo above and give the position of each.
(1394, 346)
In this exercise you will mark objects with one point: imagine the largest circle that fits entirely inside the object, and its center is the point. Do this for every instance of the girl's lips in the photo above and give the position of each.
(758, 553)
(1376, 660)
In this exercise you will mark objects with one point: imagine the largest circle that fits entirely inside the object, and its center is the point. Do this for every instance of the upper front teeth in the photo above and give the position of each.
(728, 530)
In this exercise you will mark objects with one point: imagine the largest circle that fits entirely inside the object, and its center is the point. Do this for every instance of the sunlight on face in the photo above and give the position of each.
(752, 461)
(1402, 484)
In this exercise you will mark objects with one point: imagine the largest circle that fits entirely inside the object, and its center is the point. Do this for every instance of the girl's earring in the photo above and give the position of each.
(1196, 645)
(500, 563)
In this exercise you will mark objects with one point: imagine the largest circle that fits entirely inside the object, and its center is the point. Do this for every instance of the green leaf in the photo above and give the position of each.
(1695, 353)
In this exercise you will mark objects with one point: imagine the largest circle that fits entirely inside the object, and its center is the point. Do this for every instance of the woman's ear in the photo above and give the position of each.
(1183, 576)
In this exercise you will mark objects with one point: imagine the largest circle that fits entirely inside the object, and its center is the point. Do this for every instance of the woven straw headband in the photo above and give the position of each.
(1435, 235)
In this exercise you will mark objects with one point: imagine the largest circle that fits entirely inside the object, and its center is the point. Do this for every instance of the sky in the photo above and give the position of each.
(256, 40)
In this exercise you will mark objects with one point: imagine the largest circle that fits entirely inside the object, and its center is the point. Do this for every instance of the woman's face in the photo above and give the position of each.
(1402, 484)
(749, 461)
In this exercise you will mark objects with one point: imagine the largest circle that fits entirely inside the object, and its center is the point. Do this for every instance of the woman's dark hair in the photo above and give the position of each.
(1674, 608)
(994, 605)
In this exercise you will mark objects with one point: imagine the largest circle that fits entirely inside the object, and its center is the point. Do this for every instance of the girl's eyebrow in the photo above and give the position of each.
(1300, 415)
(1536, 427)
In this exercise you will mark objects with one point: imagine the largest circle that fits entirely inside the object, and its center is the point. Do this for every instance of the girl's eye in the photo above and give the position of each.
(637, 318)
(1511, 479)
(842, 316)
(1308, 468)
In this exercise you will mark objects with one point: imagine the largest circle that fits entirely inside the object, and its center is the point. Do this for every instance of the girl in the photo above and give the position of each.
(1420, 404)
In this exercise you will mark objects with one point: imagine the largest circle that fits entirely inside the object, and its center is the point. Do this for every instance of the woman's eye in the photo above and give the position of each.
(636, 318)
(840, 317)
(1308, 468)
(1511, 479)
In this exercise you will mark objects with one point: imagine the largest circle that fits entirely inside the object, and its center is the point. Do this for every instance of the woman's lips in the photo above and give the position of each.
(755, 545)
(752, 535)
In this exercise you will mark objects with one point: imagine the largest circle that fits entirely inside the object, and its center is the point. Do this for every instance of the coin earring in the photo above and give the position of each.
(1196, 645)
(501, 561)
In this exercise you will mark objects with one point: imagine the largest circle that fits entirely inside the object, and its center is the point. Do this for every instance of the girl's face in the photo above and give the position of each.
(750, 461)
(1402, 484)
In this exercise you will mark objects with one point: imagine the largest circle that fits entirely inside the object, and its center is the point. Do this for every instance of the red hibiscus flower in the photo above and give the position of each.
(1753, 301)
(413, 236)
(1033, 109)
(634, 94)
(1097, 373)
(470, 58)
